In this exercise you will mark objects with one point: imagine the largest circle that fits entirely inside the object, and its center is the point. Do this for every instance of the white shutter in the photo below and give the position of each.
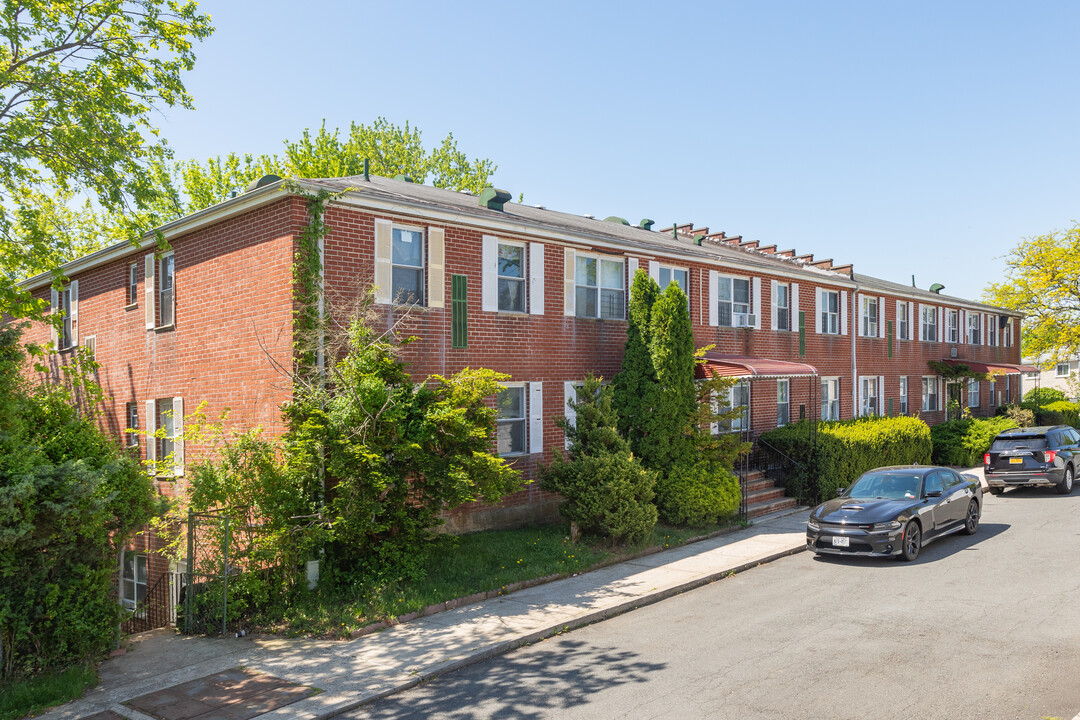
(858, 314)
(963, 326)
(569, 276)
(54, 307)
(151, 428)
(881, 395)
(881, 317)
(984, 338)
(756, 301)
(896, 315)
(178, 436)
(714, 279)
(569, 393)
(536, 417)
(383, 250)
(859, 382)
(772, 304)
(794, 302)
(148, 283)
(843, 312)
(940, 323)
(817, 310)
(536, 279)
(918, 324)
(74, 295)
(436, 281)
(489, 274)
(631, 271)
(654, 272)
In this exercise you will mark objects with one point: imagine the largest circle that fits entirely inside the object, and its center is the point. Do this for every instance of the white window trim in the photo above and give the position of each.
(155, 307)
(599, 287)
(132, 603)
(132, 438)
(491, 276)
(833, 401)
(903, 393)
(792, 312)
(820, 310)
(864, 315)
(951, 314)
(673, 268)
(907, 305)
(423, 267)
(786, 384)
(1057, 370)
(133, 269)
(973, 383)
(752, 320)
(523, 419)
(864, 398)
(925, 396)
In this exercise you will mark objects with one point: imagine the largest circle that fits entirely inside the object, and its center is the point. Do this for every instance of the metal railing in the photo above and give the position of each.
(157, 608)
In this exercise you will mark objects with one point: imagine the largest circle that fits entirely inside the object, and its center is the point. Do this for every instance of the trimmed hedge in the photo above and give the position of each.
(1061, 412)
(848, 448)
(963, 442)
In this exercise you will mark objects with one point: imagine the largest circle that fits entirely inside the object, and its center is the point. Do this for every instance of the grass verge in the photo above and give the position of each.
(21, 697)
(458, 566)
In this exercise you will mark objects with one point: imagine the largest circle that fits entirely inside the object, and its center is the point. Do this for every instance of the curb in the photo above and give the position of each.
(548, 632)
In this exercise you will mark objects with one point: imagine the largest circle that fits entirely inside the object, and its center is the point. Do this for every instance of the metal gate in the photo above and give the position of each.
(202, 598)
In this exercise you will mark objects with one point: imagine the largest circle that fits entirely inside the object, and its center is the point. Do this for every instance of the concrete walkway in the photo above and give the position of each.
(351, 672)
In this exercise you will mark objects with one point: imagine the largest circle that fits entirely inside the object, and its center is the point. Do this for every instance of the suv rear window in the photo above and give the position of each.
(1019, 443)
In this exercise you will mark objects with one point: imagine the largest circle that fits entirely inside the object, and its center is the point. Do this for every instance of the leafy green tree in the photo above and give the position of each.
(668, 438)
(79, 85)
(1042, 280)
(608, 492)
(635, 384)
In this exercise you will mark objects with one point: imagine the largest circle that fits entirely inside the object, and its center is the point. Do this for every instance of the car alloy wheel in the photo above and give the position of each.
(971, 525)
(912, 542)
(1066, 485)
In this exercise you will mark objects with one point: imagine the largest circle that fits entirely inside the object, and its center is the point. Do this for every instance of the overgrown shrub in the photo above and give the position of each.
(608, 493)
(698, 494)
(1022, 416)
(846, 449)
(1043, 396)
(1060, 412)
(963, 442)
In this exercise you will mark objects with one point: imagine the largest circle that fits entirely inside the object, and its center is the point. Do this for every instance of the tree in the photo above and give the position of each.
(79, 84)
(1042, 280)
(608, 493)
(635, 384)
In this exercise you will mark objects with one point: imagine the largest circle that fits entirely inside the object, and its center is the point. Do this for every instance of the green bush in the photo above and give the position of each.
(1060, 412)
(846, 449)
(963, 442)
(697, 494)
(1043, 396)
(608, 492)
(1022, 416)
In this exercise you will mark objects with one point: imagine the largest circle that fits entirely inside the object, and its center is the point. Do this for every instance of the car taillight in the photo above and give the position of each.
(1049, 456)
(986, 458)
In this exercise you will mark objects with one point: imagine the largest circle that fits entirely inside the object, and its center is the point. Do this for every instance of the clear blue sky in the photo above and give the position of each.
(921, 138)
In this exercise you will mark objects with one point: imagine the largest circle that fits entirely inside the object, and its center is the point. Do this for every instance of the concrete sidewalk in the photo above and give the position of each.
(351, 672)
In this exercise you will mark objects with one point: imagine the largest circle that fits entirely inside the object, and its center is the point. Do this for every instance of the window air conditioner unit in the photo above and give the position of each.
(743, 320)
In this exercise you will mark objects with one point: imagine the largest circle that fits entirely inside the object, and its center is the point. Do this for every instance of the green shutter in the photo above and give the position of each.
(890, 399)
(802, 333)
(459, 323)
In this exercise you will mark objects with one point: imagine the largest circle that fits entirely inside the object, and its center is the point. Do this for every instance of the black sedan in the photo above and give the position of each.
(894, 511)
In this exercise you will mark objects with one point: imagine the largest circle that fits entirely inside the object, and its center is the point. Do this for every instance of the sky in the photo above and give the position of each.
(908, 138)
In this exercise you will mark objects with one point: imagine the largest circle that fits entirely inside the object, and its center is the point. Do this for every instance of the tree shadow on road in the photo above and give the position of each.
(556, 675)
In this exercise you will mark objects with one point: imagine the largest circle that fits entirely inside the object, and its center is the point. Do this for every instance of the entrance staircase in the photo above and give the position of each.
(762, 495)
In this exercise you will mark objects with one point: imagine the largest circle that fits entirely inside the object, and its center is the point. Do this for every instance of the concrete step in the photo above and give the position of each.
(763, 483)
(750, 476)
(769, 506)
(764, 494)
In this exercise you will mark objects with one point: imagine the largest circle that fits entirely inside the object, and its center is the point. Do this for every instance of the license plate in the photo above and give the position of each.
(840, 542)
(1016, 461)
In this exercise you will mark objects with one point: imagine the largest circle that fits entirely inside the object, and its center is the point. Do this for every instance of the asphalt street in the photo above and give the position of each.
(978, 627)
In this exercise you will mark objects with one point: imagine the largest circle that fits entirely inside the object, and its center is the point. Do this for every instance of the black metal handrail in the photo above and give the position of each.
(155, 610)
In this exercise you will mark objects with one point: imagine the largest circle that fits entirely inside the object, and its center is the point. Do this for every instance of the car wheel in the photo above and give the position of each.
(912, 541)
(1065, 486)
(997, 490)
(971, 523)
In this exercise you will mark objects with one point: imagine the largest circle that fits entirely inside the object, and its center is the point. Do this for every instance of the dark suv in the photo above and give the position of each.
(1033, 457)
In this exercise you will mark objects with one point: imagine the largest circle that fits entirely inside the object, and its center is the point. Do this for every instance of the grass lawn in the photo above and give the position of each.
(21, 697)
(458, 566)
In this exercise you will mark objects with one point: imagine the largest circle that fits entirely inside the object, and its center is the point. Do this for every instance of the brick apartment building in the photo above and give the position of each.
(531, 292)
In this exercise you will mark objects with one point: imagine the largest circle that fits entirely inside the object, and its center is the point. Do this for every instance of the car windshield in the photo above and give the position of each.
(1019, 443)
(891, 486)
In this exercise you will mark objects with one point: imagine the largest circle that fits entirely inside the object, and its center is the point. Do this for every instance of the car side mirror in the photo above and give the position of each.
(840, 491)
(933, 493)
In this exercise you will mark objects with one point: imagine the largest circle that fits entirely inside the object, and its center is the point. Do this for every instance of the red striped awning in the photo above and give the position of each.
(997, 367)
(721, 365)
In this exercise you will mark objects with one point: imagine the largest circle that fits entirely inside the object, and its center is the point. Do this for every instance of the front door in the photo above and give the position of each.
(953, 408)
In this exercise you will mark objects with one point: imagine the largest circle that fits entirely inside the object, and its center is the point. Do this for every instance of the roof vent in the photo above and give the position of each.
(494, 199)
(404, 178)
(617, 220)
(646, 224)
(591, 217)
(937, 288)
(261, 182)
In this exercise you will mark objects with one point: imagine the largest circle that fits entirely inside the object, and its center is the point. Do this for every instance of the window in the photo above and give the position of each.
(974, 322)
(167, 442)
(166, 296)
(933, 484)
(783, 402)
(599, 288)
(733, 297)
(67, 334)
(678, 276)
(511, 273)
(830, 398)
(903, 395)
(1062, 369)
(929, 394)
(133, 583)
(830, 312)
(973, 393)
(993, 387)
(738, 398)
(953, 326)
(868, 316)
(133, 284)
(1006, 333)
(869, 403)
(929, 329)
(903, 320)
(783, 306)
(132, 413)
(991, 330)
(510, 433)
(407, 266)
